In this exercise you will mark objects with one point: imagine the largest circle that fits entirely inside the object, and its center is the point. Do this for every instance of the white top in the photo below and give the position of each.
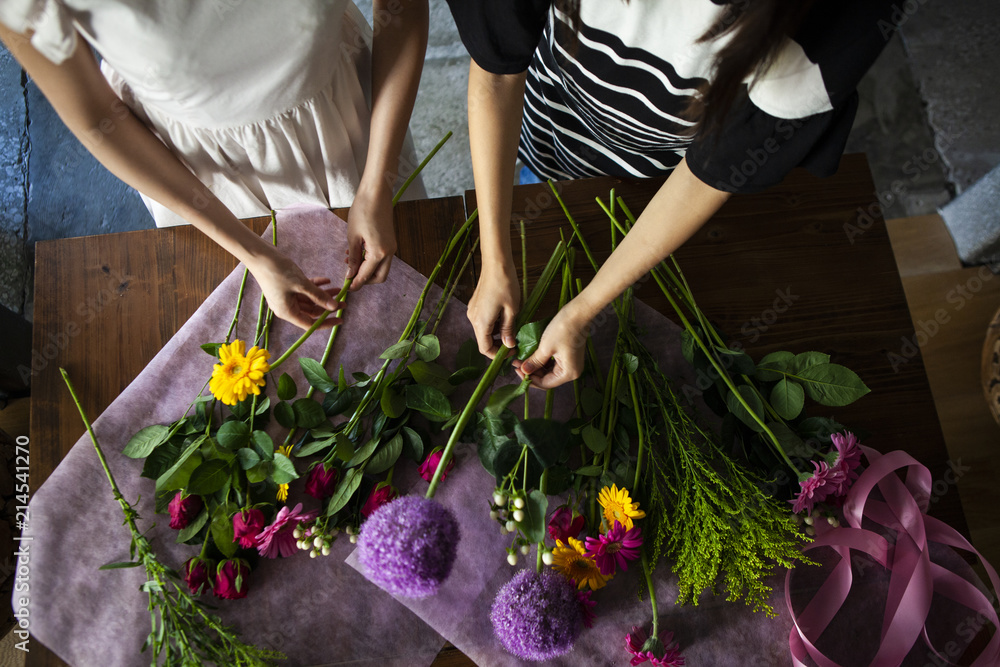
(266, 101)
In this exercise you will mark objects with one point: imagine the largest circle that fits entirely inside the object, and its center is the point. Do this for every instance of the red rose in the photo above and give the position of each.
(196, 574)
(247, 525)
(380, 495)
(322, 482)
(431, 463)
(563, 525)
(183, 510)
(231, 579)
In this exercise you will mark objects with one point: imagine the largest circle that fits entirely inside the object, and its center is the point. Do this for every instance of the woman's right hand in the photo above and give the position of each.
(293, 297)
(497, 297)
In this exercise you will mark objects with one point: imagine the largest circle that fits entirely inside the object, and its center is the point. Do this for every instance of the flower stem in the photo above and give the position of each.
(239, 304)
(309, 332)
(420, 167)
(652, 594)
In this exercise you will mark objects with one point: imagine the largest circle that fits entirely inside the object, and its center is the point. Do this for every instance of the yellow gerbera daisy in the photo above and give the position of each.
(282, 492)
(240, 373)
(618, 506)
(573, 561)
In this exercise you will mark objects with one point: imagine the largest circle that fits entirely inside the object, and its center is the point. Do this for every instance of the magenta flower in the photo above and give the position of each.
(231, 579)
(322, 482)
(659, 651)
(247, 525)
(824, 483)
(382, 494)
(615, 546)
(587, 607)
(183, 510)
(196, 574)
(277, 539)
(563, 525)
(431, 463)
(848, 459)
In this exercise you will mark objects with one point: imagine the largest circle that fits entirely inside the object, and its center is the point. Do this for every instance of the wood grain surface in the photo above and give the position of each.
(106, 305)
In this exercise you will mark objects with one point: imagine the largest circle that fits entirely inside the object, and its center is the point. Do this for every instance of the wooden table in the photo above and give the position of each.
(791, 268)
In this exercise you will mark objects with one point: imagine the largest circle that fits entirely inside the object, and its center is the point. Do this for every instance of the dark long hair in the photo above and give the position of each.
(758, 28)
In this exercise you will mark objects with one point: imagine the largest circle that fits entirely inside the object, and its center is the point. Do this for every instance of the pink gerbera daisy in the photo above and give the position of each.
(848, 459)
(615, 546)
(824, 482)
(277, 539)
(660, 652)
(587, 607)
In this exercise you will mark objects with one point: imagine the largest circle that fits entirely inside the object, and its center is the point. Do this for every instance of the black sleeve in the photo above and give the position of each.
(500, 35)
(755, 150)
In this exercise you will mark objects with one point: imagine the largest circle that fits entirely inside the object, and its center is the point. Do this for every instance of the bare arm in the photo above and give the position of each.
(121, 142)
(681, 206)
(496, 103)
(398, 48)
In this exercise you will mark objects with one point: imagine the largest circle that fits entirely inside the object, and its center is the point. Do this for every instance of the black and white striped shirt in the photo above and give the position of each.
(613, 100)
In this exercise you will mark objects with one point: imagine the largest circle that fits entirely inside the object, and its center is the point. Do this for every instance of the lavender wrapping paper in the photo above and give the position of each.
(310, 609)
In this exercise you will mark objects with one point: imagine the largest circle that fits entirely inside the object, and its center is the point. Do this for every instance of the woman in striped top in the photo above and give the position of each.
(726, 97)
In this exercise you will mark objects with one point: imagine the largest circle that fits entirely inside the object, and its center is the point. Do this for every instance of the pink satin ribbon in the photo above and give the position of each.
(914, 578)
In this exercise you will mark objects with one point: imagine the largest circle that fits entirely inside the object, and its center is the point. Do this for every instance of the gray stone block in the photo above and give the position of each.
(441, 107)
(14, 253)
(974, 222)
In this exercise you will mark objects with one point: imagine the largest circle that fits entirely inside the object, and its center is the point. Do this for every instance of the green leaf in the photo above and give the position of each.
(791, 443)
(161, 459)
(589, 471)
(345, 448)
(504, 396)
(119, 565)
(546, 438)
(596, 441)
(736, 361)
(260, 472)
(741, 413)
(285, 415)
(385, 456)
(308, 413)
(145, 441)
(337, 402)
(286, 387)
(233, 435)
(806, 360)
(528, 337)
(687, 346)
(591, 401)
(363, 454)
(316, 375)
(222, 529)
(432, 375)
(818, 427)
(361, 379)
(284, 469)
(464, 375)
(788, 398)
(262, 444)
(832, 384)
(428, 400)
(535, 507)
(194, 527)
(209, 477)
(315, 446)
(469, 355)
(393, 403)
(341, 380)
(397, 350)
(413, 444)
(345, 490)
(177, 475)
(776, 361)
(248, 458)
(630, 363)
(428, 348)
(212, 348)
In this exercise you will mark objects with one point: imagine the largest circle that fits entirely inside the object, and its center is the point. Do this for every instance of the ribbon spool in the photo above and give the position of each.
(914, 579)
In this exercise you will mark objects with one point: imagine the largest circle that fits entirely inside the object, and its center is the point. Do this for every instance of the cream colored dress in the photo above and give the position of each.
(267, 101)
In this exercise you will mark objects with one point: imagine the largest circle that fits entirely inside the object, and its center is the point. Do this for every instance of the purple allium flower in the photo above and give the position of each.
(409, 545)
(537, 616)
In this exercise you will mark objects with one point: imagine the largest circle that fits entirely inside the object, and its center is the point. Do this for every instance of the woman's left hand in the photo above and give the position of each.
(560, 353)
(371, 237)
